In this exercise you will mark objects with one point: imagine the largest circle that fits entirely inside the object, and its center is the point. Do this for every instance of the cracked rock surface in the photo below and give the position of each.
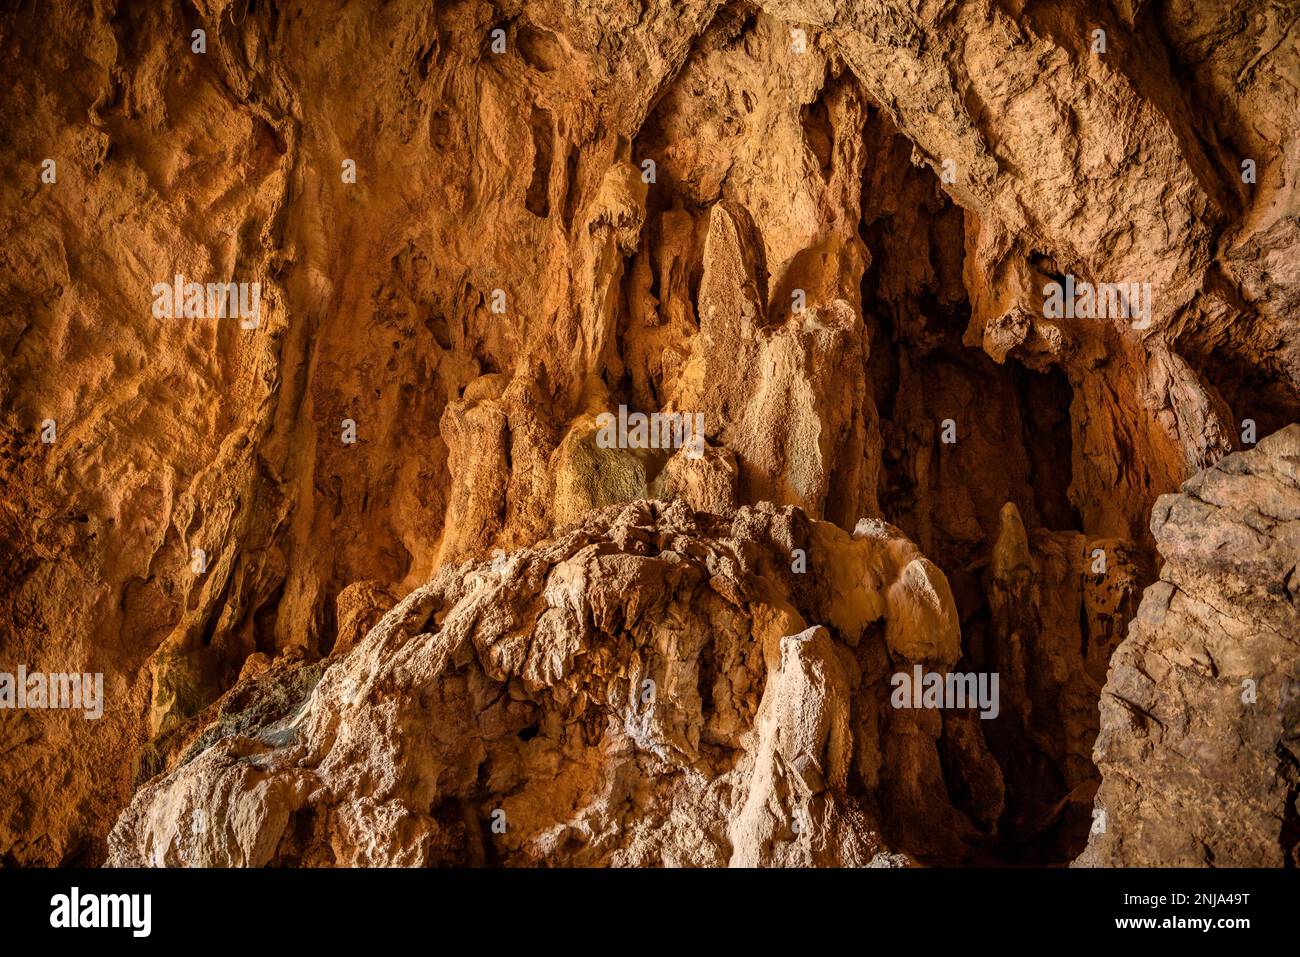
(1200, 715)
(650, 688)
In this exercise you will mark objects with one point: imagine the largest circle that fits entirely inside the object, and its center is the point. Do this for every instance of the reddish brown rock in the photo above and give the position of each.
(826, 228)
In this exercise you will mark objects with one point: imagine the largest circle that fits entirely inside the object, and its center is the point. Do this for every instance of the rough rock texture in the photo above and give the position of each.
(650, 688)
(1200, 717)
(840, 258)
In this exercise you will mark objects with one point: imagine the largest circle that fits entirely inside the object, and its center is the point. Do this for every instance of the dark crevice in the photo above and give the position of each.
(538, 199)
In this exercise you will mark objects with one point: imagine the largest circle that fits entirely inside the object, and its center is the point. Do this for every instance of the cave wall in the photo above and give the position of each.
(500, 272)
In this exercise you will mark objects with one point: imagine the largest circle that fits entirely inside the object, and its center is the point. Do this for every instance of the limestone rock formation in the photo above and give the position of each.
(1199, 746)
(653, 687)
(825, 235)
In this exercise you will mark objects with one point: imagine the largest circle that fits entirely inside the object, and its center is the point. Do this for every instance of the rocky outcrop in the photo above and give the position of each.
(655, 686)
(1200, 714)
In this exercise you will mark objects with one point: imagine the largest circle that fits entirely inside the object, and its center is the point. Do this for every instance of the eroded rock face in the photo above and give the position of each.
(1201, 708)
(826, 229)
(653, 687)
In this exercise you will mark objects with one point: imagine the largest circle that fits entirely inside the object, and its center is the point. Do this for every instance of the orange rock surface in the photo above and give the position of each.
(361, 570)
